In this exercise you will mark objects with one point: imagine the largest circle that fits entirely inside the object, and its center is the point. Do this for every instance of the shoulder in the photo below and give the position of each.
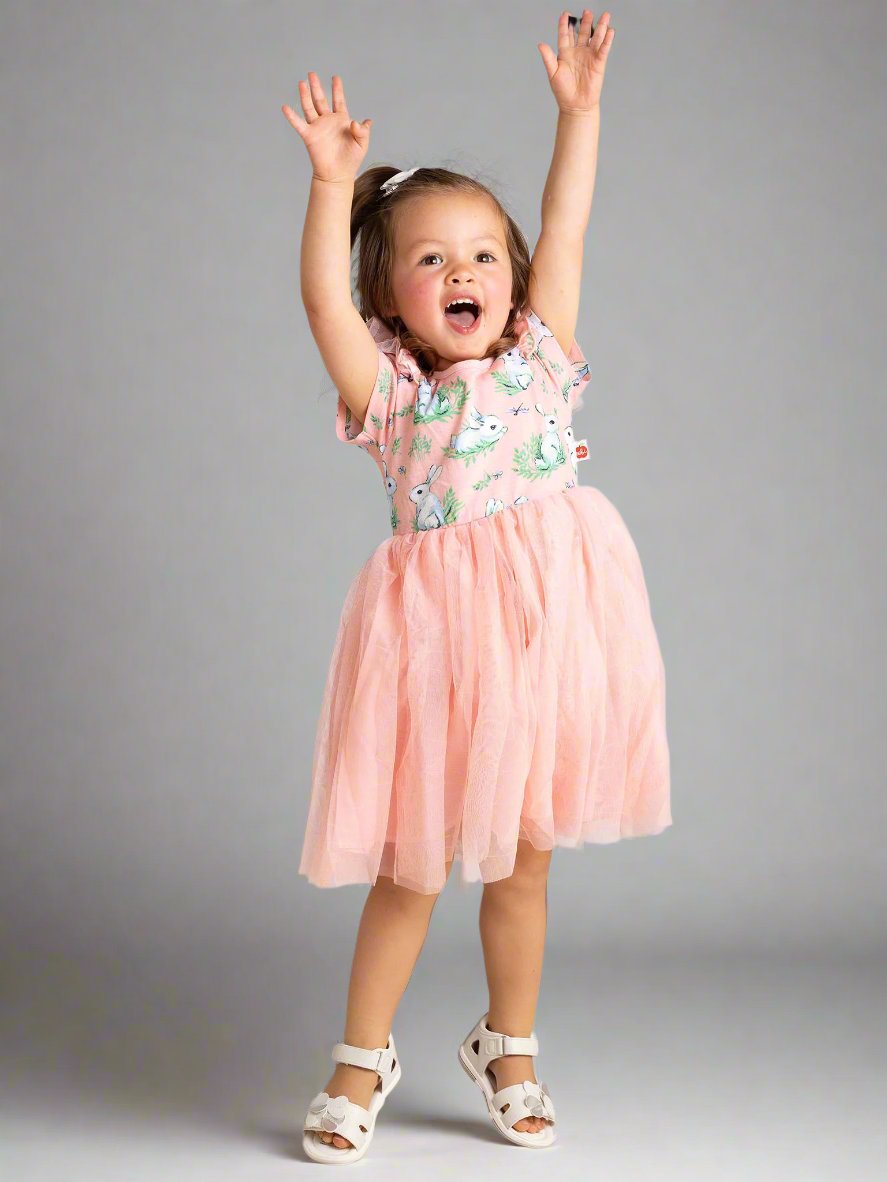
(394, 349)
(530, 331)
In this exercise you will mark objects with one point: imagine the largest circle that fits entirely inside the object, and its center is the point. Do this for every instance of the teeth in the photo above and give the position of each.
(468, 303)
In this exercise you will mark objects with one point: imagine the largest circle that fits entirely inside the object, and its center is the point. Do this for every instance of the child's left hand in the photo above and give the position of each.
(577, 73)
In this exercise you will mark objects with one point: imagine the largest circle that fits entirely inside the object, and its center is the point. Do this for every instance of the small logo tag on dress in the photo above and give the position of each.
(581, 449)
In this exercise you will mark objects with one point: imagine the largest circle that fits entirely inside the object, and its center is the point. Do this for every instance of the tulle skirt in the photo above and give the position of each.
(491, 680)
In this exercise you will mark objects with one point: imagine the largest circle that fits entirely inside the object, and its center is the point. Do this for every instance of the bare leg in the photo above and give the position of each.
(513, 918)
(392, 930)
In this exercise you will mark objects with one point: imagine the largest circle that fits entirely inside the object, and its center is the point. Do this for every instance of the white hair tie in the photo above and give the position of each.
(394, 181)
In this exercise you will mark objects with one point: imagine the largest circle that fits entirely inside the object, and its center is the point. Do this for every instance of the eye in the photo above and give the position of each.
(483, 253)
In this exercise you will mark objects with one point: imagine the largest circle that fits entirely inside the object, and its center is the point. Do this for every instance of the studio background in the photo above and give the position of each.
(170, 986)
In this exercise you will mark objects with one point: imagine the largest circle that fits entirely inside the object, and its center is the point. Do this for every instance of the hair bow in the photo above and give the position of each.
(394, 181)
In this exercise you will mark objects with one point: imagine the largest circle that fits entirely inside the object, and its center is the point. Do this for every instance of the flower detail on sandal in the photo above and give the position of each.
(537, 1099)
(330, 1112)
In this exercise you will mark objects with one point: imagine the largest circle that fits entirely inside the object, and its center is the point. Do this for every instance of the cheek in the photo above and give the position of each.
(422, 291)
(505, 283)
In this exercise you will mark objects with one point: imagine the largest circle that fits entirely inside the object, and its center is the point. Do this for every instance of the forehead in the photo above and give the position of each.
(447, 218)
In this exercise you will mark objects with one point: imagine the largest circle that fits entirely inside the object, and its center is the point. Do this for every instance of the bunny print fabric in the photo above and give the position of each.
(496, 673)
(502, 429)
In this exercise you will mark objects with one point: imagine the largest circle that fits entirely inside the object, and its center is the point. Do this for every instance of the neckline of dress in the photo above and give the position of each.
(378, 331)
(437, 374)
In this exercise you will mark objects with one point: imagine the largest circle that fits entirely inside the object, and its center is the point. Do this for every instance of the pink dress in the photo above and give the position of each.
(496, 673)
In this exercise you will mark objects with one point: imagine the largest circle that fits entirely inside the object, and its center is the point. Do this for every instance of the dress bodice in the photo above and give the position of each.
(482, 435)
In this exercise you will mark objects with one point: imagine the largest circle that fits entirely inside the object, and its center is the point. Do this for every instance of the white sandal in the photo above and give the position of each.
(341, 1115)
(479, 1047)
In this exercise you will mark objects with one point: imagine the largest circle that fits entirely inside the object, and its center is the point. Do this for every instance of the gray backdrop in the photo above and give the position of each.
(180, 527)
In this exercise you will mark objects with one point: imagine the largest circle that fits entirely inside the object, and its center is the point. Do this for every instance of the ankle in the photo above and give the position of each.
(352, 1072)
(506, 1026)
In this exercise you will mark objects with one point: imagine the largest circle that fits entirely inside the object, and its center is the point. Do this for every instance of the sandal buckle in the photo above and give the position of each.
(385, 1062)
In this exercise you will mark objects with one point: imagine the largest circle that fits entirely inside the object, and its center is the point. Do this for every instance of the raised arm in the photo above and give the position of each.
(576, 76)
(337, 145)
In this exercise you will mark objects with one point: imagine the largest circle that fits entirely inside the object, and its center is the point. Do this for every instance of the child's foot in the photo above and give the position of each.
(512, 1069)
(358, 1084)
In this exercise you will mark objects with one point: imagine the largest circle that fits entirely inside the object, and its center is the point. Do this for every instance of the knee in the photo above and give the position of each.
(530, 873)
(404, 896)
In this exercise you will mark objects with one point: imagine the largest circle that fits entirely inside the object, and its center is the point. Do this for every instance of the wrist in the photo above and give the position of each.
(332, 180)
(579, 113)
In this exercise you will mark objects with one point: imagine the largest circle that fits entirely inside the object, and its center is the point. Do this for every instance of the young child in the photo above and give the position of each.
(496, 687)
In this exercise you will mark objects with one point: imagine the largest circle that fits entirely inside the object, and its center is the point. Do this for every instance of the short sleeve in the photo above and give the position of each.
(374, 432)
(570, 371)
(396, 370)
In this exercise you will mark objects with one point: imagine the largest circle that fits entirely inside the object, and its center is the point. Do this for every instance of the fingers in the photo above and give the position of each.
(600, 39)
(299, 124)
(313, 99)
(603, 30)
(549, 59)
(339, 95)
(564, 32)
(307, 101)
(317, 93)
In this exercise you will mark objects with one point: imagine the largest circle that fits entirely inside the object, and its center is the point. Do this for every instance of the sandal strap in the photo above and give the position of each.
(379, 1059)
(496, 1045)
(523, 1099)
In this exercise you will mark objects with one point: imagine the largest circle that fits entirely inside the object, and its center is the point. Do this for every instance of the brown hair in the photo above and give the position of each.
(373, 218)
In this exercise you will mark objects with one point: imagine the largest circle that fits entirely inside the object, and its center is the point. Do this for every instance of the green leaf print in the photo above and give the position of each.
(395, 447)
(557, 368)
(452, 506)
(420, 446)
(457, 394)
(504, 384)
(394, 516)
(385, 383)
(470, 456)
(526, 457)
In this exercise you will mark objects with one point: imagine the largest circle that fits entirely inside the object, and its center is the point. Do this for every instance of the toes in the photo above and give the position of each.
(334, 1139)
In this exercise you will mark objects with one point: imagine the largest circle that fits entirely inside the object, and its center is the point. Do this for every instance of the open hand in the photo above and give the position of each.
(336, 143)
(577, 73)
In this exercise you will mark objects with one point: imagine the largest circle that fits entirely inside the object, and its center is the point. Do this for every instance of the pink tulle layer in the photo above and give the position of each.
(491, 680)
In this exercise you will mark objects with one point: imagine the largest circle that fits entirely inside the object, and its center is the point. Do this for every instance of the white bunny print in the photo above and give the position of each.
(551, 444)
(481, 431)
(390, 488)
(429, 510)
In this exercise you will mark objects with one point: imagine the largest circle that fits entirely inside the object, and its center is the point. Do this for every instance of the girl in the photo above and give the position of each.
(496, 687)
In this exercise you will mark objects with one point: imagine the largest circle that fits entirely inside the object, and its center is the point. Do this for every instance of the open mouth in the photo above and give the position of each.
(463, 314)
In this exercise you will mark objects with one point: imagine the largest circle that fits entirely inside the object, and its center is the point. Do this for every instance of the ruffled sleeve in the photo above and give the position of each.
(569, 371)
(395, 369)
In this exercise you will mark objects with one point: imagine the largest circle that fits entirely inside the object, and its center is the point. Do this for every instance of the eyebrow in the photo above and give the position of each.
(437, 242)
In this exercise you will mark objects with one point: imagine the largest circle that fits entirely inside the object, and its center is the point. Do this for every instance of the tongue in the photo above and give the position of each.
(462, 317)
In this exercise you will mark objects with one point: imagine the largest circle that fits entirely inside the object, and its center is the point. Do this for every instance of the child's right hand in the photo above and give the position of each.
(336, 143)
